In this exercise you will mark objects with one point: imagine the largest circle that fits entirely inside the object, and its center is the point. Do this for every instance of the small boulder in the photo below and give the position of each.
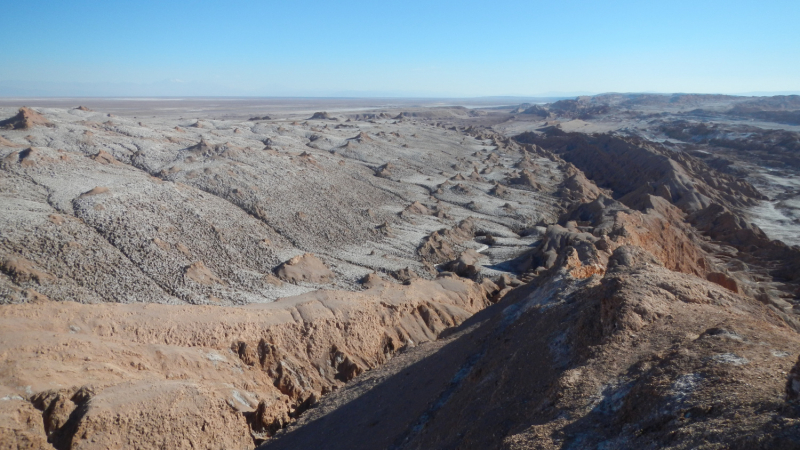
(307, 268)
(199, 273)
(405, 275)
(372, 280)
(417, 208)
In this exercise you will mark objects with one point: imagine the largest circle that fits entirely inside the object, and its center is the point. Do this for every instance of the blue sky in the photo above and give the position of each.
(419, 48)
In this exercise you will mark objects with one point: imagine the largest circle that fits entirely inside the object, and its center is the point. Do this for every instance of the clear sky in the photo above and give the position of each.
(403, 47)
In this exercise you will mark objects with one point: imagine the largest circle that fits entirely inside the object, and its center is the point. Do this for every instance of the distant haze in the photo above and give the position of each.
(397, 49)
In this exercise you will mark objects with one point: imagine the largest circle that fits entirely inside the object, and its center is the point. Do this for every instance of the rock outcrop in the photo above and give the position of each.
(25, 119)
(439, 247)
(320, 116)
(228, 371)
(304, 268)
(640, 174)
(632, 356)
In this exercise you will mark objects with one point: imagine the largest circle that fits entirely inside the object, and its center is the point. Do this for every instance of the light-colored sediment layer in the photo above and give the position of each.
(138, 202)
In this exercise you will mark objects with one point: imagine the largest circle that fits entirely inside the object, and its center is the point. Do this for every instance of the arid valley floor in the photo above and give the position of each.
(611, 272)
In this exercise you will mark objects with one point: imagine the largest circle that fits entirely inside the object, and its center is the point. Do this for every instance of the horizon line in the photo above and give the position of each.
(408, 97)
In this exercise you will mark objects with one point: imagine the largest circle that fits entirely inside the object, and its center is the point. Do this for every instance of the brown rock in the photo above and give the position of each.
(347, 367)
(96, 191)
(304, 268)
(22, 271)
(199, 273)
(372, 280)
(526, 164)
(273, 280)
(270, 416)
(247, 354)
(723, 280)
(203, 148)
(172, 382)
(499, 190)
(417, 208)
(21, 426)
(30, 157)
(183, 249)
(57, 412)
(25, 119)
(577, 269)
(437, 248)
(161, 244)
(384, 171)
(405, 275)
(526, 178)
(466, 264)
(146, 414)
(35, 297)
(360, 138)
(104, 157)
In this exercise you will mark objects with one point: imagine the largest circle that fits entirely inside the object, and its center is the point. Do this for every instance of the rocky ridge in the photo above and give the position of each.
(632, 333)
